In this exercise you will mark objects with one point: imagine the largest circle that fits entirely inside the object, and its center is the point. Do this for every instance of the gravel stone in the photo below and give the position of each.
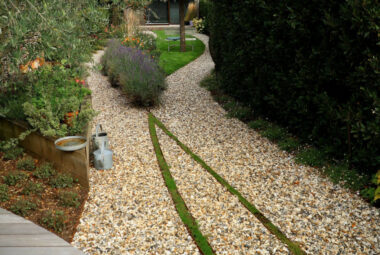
(129, 210)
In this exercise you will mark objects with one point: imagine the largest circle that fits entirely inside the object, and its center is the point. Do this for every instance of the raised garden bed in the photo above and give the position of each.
(75, 163)
(33, 189)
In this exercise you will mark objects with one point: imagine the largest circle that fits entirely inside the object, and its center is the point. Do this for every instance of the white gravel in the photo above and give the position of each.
(130, 211)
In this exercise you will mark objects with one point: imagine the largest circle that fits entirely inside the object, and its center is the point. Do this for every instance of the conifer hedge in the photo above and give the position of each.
(312, 66)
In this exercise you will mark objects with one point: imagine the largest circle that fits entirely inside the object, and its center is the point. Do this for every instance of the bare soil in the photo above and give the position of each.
(46, 200)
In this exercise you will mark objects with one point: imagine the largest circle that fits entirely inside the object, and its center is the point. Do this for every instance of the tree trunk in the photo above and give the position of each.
(182, 25)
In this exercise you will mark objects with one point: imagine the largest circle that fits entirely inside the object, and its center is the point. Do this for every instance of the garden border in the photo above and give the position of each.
(76, 163)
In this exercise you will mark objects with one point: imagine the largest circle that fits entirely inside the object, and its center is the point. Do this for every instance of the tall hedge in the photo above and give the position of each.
(312, 66)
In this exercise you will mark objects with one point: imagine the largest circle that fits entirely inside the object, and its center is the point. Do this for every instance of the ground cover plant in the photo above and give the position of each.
(172, 60)
(56, 207)
(338, 171)
(135, 71)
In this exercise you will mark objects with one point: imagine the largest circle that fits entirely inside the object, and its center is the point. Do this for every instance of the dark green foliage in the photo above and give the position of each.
(135, 71)
(259, 124)
(3, 192)
(204, 13)
(274, 133)
(44, 171)
(32, 188)
(22, 207)
(62, 181)
(311, 66)
(311, 157)
(289, 144)
(236, 110)
(13, 153)
(53, 220)
(12, 178)
(68, 198)
(26, 164)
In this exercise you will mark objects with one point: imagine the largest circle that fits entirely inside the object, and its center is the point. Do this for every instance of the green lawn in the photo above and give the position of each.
(174, 59)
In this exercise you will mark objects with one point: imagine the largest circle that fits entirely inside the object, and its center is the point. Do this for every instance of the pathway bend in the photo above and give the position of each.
(129, 210)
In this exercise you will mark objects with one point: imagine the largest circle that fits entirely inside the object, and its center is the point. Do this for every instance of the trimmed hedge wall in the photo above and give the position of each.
(312, 66)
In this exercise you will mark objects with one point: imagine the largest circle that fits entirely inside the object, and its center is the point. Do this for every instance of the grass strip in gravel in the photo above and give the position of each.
(292, 246)
(186, 217)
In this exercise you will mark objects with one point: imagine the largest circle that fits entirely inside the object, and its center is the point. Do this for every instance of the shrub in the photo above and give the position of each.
(12, 178)
(53, 220)
(3, 192)
(32, 187)
(22, 207)
(62, 181)
(311, 66)
(204, 13)
(199, 25)
(259, 124)
(311, 157)
(26, 164)
(237, 110)
(41, 49)
(274, 133)
(289, 144)
(139, 76)
(13, 153)
(44, 171)
(68, 198)
(143, 41)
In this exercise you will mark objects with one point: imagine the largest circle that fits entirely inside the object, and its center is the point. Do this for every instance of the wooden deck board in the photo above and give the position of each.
(39, 251)
(20, 236)
(20, 228)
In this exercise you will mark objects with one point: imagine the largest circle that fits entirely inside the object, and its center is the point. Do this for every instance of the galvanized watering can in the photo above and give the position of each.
(100, 137)
(103, 157)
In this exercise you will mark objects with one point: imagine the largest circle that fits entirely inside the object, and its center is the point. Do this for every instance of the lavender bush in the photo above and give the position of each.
(135, 71)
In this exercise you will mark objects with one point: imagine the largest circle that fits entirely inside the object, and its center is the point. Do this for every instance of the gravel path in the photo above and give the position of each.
(129, 210)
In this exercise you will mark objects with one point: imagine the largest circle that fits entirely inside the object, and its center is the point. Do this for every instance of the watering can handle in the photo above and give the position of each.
(99, 128)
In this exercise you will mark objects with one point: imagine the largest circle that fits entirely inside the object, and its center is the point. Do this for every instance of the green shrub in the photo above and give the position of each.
(259, 124)
(26, 164)
(289, 144)
(22, 207)
(44, 171)
(139, 76)
(204, 13)
(54, 220)
(68, 198)
(200, 25)
(3, 192)
(13, 153)
(12, 178)
(236, 110)
(42, 49)
(311, 66)
(62, 181)
(32, 188)
(311, 157)
(274, 133)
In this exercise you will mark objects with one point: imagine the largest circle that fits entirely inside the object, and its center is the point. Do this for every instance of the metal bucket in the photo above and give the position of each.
(100, 137)
(103, 158)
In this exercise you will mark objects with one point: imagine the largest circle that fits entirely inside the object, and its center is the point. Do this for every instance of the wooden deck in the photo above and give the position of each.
(19, 236)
